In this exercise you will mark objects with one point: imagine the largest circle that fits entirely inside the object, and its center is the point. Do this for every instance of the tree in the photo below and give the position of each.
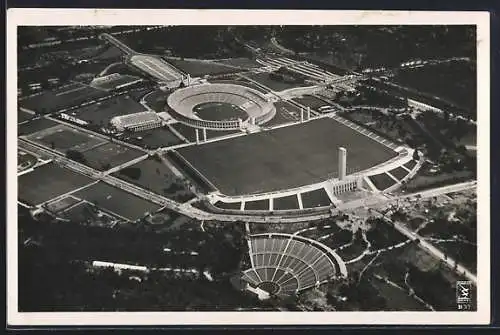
(416, 156)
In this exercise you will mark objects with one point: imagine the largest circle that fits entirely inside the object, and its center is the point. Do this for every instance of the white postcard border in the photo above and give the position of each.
(18, 16)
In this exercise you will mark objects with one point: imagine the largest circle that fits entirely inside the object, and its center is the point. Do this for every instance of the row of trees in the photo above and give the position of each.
(54, 276)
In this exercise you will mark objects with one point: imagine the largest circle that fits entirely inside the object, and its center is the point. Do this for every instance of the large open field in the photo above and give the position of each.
(114, 200)
(240, 62)
(310, 101)
(47, 182)
(156, 100)
(240, 81)
(63, 138)
(35, 125)
(455, 82)
(200, 67)
(103, 112)
(283, 158)
(155, 138)
(275, 85)
(157, 177)
(110, 155)
(52, 101)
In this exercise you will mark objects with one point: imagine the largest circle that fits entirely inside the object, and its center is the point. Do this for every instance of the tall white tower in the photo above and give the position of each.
(342, 162)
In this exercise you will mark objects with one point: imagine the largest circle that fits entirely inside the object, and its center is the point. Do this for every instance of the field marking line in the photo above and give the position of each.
(404, 167)
(72, 90)
(107, 211)
(299, 199)
(64, 195)
(150, 70)
(72, 206)
(390, 175)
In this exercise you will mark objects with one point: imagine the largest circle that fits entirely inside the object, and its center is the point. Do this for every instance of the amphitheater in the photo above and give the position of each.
(257, 106)
(283, 264)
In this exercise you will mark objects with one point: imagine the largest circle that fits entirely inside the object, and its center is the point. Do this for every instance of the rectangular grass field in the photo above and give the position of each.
(63, 138)
(311, 101)
(102, 112)
(117, 201)
(67, 96)
(35, 125)
(157, 177)
(47, 182)
(110, 154)
(275, 85)
(283, 158)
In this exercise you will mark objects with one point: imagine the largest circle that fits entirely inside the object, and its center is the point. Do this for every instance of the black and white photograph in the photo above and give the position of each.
(245, 164)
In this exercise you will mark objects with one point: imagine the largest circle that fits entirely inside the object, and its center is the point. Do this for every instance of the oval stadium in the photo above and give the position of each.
(283, 264)
(234, 106)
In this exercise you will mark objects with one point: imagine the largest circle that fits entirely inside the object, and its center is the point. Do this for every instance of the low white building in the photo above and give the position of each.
(137, 121)
(421, 106)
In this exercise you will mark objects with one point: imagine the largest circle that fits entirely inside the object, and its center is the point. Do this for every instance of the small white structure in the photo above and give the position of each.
(260, 293)
(119, 266)
(421, 106)
(137, 121)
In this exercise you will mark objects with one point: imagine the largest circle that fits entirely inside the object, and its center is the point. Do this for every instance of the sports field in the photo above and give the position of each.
(61, 204)
(112, 199)
(283, 158)
(310, 101)
(156, 138)
(275, 85)
(110, 155)
(157, 177)
(240, 62)
(35, 125)
(47, 182)
(62, 138)
(240, 81)
(102, 112)
(200, 67)
(156, 100)
(219, 111)
(70, 95)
